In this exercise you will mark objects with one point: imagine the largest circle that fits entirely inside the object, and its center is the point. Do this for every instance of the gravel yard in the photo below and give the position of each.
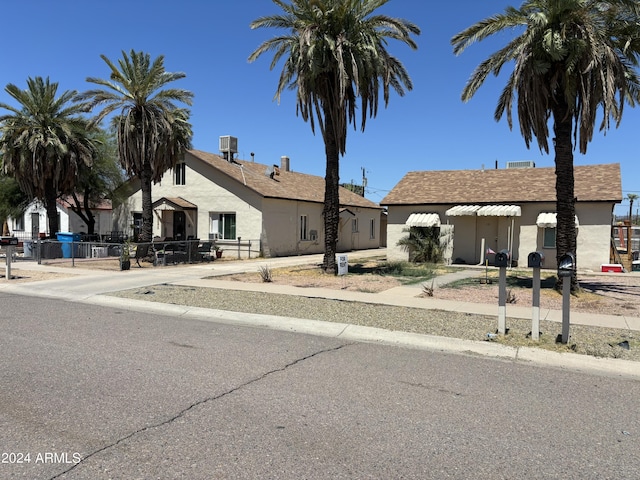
(613, 294)
(596, 341)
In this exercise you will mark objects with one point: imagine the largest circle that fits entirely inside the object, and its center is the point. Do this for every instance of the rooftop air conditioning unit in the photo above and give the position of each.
(229, 144)
(523, 164)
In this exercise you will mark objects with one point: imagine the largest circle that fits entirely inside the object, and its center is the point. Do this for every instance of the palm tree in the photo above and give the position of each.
(632, 197)
(334, 53)
(423, 244)
(152, 131)
(44, 142)
(573, 58)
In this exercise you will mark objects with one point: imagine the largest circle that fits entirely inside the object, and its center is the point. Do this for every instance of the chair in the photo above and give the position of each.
(204, 251)
(141, 252)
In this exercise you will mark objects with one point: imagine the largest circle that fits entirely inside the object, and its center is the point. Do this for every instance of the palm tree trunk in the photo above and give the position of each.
(565, 198)
(86, 207)
(146, 231)
(331, 210)
(50, 197)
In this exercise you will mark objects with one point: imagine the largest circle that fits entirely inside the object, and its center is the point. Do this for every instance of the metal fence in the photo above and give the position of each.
(160, 251)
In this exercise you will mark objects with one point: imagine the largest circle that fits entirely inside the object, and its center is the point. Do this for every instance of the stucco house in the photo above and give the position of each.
(34, 221)
(504, 209)
(279, 211)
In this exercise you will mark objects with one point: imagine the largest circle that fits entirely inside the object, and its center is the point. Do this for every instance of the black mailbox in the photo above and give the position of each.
(502, 258)
(535, 260)
(566, 265)
(8, 241)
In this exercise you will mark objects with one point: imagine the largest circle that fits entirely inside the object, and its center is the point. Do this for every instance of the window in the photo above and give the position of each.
(303, 227)
(223, 225)
(372, 228)
(18, 223)
(354, 225)
(179, 174)
(549, 240)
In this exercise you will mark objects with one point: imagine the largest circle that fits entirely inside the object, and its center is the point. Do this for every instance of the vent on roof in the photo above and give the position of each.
(228, 146)
(523, 164)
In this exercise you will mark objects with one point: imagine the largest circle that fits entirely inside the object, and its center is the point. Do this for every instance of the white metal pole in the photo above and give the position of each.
(566, 301)
(535, 320)
(7, 271)
(482, 251)
(502, 301)
(511, 241)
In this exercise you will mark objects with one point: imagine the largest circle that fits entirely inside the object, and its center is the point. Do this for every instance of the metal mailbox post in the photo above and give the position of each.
(502, 261)
(566, 268)
(535, 260)
(8, 242)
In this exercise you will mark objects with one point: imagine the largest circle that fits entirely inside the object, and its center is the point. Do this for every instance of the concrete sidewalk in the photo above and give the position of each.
(85, 283)
(92, 286)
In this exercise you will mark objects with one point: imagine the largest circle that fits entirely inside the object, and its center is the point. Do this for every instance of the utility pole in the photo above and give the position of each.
(364, 181)
(631, 197)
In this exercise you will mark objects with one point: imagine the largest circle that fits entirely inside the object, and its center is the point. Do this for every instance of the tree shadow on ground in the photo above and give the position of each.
(609, 288)
(527, 282)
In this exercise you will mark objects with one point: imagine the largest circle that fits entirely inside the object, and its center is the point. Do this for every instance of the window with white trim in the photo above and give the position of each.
(180, 174)
(354, 225)
(18, 223)
(222, 226)
(372, 228)
(549, 237)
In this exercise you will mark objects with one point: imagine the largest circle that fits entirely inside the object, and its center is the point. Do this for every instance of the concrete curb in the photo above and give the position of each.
(357, 333)
(343, 331)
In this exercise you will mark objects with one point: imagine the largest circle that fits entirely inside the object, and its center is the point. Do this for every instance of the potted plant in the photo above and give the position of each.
(125, 256)
(218, 252)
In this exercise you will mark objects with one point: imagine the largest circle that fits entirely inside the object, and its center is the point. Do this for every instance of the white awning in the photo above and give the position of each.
(462, 210)
(549, 220)
(423, 220)
(499, 211)
(485, 211)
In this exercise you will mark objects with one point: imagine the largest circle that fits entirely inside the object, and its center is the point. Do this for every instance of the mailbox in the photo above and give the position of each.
(535, 260)
(8, 241)
(502, 258)
(566, 265)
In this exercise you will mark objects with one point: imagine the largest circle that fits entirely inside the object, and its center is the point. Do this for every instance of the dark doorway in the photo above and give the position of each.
(35, 225)
(179, 221)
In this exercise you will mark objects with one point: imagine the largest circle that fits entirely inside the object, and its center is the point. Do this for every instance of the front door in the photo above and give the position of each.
(179, 225)
(35, 225)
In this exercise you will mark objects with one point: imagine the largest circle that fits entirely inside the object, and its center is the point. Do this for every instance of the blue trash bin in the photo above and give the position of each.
(65, 239)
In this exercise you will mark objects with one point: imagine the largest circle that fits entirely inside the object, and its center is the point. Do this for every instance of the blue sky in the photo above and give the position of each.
(209, 40)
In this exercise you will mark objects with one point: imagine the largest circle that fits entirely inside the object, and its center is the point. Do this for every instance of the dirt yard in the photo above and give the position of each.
(611, 294)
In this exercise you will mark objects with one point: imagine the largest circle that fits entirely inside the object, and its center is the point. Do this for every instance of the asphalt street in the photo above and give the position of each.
(92, 392)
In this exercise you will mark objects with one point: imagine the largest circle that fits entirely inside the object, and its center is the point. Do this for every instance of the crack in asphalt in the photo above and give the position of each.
(184, 411)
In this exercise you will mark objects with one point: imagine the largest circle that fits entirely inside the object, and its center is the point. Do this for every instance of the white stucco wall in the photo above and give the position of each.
(272, 225)
(210, 195)
(281, 228)
(43, 221)
(593, 240)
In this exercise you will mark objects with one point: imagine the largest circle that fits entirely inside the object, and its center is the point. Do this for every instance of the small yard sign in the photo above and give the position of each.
(343, 265)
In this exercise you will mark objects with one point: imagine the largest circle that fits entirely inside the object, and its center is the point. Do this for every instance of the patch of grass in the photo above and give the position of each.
(515, 279)
(266, 274)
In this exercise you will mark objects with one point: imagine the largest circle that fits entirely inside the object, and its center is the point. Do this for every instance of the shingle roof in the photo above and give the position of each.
(67, 202)
(287, 185)
(513, 185)
(175, 202)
